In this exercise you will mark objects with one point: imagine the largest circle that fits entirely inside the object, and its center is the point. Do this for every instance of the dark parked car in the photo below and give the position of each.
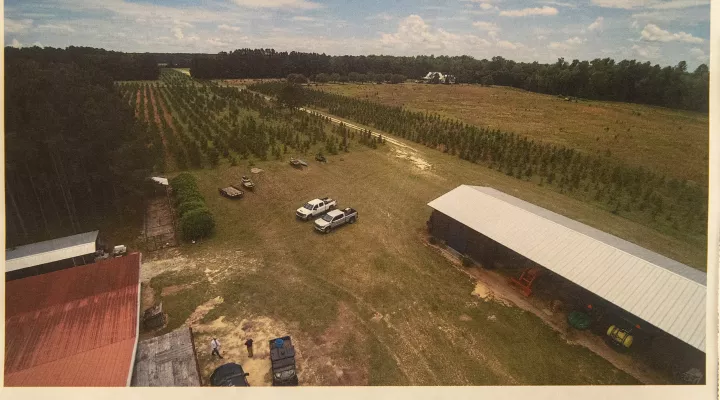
(229, 374)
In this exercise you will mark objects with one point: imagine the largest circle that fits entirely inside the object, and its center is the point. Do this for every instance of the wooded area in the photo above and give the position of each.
(74, 150)
(600, 79)
(676, 205)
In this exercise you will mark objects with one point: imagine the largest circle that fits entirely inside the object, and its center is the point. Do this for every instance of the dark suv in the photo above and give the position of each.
(229, 374)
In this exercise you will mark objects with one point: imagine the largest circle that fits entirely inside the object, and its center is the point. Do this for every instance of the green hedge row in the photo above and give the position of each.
(196, 221)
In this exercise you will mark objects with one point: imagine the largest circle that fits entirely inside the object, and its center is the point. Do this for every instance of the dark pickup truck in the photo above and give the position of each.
(282, 358)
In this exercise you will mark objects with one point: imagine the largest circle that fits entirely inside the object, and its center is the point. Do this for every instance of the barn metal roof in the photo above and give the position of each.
(661, 291)
(49, 251)
(74, 327)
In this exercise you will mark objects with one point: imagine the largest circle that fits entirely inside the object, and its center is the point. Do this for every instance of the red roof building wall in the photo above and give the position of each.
(75, 327)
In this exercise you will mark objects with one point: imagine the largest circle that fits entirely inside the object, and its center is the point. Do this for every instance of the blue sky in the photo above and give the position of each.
(659, 31)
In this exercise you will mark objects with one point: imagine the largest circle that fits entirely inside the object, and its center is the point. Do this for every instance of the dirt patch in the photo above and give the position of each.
(232, 336)
(171, 290)
(256, 170)
(201, 310)
(147, 298)
(218, 265)
(417, 161)
(464, 317)
(483, 291)
(327, 363)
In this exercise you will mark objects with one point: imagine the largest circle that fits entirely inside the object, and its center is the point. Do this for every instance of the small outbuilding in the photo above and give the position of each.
(166, 361)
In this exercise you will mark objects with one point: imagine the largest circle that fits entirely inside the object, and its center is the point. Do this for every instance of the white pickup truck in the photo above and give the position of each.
(335, 218)
(315, 207)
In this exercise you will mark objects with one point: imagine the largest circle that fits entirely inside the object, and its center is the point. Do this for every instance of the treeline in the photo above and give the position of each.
(119, 66)
(634, 192)
(599, 79)
(74, 151)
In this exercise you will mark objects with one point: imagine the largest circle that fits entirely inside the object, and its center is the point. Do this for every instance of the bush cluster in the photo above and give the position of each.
(196, 221)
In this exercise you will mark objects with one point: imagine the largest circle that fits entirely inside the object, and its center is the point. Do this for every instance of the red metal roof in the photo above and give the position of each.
(75, 327)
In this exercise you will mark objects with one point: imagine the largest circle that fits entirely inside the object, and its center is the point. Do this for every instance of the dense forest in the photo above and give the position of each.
(600, 79)
(73, 149)
(676, 205)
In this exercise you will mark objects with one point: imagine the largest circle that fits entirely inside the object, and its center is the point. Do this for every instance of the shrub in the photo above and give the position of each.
(433, 240)
(197, 224)
(189, 206)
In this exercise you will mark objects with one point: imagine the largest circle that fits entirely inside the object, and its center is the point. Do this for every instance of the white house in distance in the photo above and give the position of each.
(442, 78)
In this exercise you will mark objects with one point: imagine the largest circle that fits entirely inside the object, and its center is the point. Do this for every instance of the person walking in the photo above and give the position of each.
(215, 346)
(249, 343)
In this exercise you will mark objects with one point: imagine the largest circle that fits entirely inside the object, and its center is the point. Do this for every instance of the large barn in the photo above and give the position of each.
(74, 327)
(664, 297)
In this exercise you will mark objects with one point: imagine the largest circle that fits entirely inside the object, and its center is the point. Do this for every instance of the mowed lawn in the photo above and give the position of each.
(671, 142)
(372, 296)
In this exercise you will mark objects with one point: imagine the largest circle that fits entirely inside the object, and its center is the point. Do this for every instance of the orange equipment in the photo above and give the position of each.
(526, 280)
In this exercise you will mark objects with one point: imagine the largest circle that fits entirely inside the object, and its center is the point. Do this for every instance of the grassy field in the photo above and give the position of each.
(671, 142)
(370, 303)
(332, 288)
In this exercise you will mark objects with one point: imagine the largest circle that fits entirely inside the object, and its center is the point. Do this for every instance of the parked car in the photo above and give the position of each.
(282, 362)
(229, 374)
(315, 207)
(335, 218)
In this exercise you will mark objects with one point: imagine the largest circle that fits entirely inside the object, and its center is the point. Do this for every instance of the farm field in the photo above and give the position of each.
(668, 141)
(370, 303)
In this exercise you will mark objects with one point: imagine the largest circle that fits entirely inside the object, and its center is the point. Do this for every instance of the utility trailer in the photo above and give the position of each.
(231, 192)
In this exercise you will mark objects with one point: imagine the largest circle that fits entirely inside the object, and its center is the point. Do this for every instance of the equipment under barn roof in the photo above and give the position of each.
(665, 293)
(50, 251)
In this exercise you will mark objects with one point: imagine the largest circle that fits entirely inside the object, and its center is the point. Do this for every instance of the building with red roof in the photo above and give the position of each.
(74, 327)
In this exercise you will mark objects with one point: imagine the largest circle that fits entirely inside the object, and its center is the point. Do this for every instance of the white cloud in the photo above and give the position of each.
(415, 36)
(651, 52)
(17, 26)
(16, 43)
(653, 33)
(561, 4)
(566, 44)
(177, 32)
(545, 10)
(656, 16)
(597, 25)
(182, 23)
(226, 27)
(298, 4)
(217, 42)
(654, 4)
(302, 18)
(382, 17)
(486, 26)
(624, 4)
(541, 37)
(504, 44)
(678, 4)
(487, 6)
(56, 28)
(493, 34)
(699, 55)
